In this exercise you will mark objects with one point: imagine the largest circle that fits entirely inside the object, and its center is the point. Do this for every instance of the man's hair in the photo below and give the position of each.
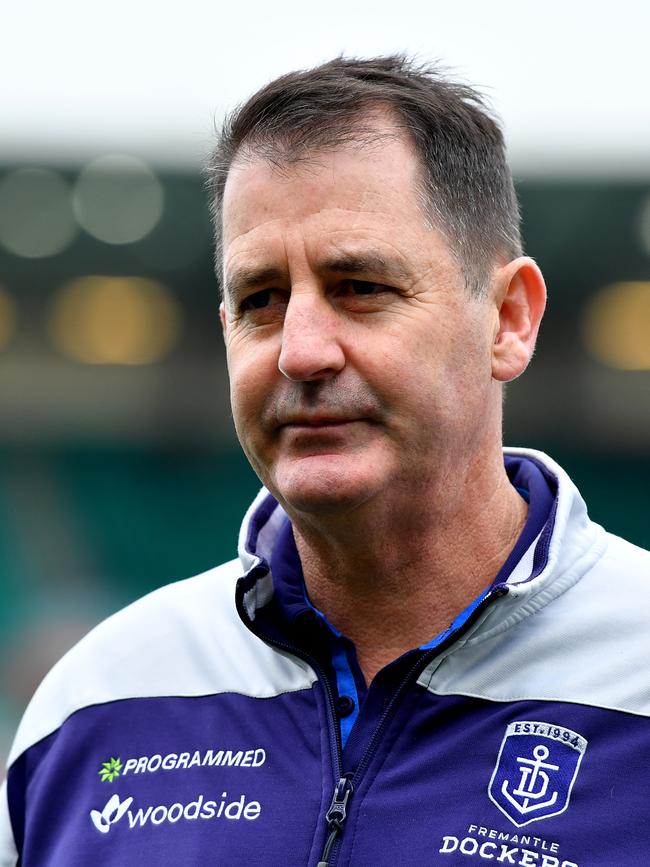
(466, 190)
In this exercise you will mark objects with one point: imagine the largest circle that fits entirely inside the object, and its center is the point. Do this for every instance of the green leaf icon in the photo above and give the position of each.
(110, 770)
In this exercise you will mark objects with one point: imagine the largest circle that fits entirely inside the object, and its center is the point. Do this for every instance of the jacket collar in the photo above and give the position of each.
(548, 565)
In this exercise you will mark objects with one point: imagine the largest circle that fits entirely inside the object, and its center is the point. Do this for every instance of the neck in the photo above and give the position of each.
(391, 577)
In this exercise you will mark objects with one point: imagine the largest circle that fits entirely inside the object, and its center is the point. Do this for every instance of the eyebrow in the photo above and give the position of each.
(245, 279)
(368, 262)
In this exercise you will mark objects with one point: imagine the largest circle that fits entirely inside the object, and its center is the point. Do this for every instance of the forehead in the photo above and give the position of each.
(352, 191)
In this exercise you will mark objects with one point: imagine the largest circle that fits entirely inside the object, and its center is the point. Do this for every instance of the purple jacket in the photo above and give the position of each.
(206, 725)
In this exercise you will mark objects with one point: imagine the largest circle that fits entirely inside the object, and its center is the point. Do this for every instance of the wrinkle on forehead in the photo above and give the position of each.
(374, 217)
(329, 237)
(333, 221)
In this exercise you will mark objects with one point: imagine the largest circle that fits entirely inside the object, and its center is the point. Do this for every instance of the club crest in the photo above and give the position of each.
(537, 766)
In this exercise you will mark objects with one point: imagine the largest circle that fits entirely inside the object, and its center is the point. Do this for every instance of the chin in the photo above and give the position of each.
(323, 489)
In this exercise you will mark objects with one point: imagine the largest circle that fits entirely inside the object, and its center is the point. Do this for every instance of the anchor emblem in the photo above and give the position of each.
(533, 784)
(535, 771)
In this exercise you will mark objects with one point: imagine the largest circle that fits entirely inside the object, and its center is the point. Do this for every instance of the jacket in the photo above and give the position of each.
(198, 726)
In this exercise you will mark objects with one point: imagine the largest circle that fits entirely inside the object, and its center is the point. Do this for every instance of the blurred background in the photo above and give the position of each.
(119, 469)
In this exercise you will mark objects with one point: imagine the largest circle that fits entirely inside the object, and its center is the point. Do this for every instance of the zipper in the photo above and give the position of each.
(336, 816)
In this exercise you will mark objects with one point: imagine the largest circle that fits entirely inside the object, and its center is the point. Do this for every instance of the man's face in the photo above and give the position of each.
(359, 368)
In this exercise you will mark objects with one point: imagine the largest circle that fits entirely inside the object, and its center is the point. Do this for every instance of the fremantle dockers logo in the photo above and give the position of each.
(537, 766)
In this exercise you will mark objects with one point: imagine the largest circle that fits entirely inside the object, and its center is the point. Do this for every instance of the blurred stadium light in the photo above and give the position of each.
(118, 199)
(36, 218)
(7, 318)
(616, 325)
(114, 320)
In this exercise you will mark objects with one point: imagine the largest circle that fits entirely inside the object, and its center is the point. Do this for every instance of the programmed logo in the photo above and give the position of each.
(110, 770)
(535, 771)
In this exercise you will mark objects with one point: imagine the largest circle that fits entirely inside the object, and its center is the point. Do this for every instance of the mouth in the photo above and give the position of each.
(318, 422)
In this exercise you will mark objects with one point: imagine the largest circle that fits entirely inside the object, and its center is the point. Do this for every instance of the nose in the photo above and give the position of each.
(311, 339)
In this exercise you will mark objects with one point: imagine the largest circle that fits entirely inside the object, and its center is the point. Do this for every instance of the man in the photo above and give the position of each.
(425, 653)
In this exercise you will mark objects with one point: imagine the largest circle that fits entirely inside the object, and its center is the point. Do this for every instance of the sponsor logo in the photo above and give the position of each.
(110, 770)
(115, 767)
(112, 813)
(535, 771)
(201, 808)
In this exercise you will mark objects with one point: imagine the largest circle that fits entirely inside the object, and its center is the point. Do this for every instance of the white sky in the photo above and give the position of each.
(570, 78)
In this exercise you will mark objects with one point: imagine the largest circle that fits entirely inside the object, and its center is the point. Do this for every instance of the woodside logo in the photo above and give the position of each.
(200, 808)
(112, 813)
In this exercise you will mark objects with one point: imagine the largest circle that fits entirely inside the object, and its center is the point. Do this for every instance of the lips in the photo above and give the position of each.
(318, 421)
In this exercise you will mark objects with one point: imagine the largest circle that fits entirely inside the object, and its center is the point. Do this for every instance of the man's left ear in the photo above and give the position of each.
(222, 316)
(520, 299)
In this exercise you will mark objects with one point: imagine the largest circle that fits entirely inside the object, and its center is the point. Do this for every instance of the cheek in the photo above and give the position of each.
(253, 373)
(445, 374)
(252, 364)
(246, 398)
(243, 388)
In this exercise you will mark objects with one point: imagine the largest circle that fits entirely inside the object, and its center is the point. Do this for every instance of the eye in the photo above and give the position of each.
(362, 287)
(257, 300)
(262, 299)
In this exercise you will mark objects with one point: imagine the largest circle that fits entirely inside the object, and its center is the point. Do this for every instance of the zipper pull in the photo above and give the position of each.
(337, 813)
(336, 816)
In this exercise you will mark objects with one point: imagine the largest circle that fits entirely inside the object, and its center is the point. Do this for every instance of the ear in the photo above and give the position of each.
(224, 321)
(520, 299)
